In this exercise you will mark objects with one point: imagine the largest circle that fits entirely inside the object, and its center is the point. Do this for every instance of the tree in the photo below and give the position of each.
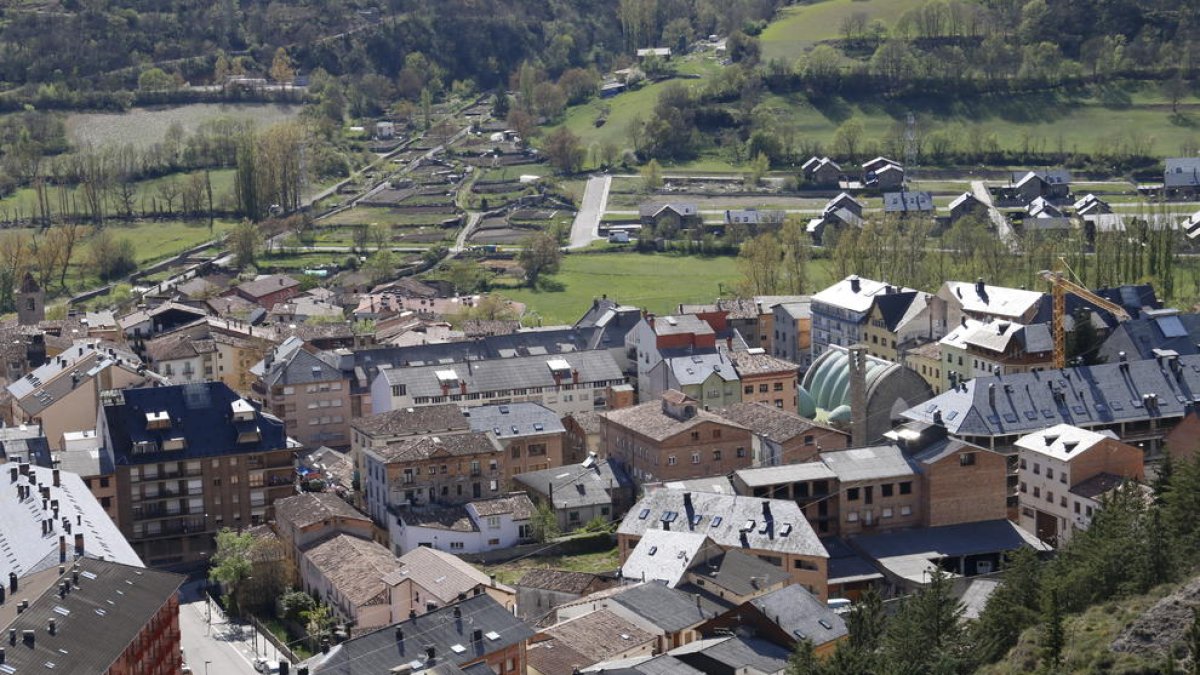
(244, 241)
(652, 178)
(282, 70)
(1053, 637)
(155, 79)
(380, 234)
(803, 660)
(231, 566)
(381, 266)
(319, 622)
(544, 524)
(847, 140)
(293, 605)
(1014, 606)
(758, 170)
(926, 634)
(500, 105)
(1174, 90)
(758, 259)
(467, 276)
(565, 150)
(540, 255)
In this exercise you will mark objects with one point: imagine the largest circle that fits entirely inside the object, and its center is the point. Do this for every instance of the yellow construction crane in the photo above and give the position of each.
(1060, 285)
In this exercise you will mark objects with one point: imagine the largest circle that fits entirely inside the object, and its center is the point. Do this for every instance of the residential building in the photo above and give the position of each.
(542, 589)
(792, 333)
(434, 469)
(887, 177)
(430, 579)
(1181, 176)
(900, 319)
(766, 379)
(267, 290)
(709, 378)
(656, 338)
(307, 518)
(99, 617)
(874, 165)
(530, 435)
(673, 438)
(565, 383)
(966, 204)
(983, 302)
(48, 518)
(308, 392)
(493, 637)
(475, 527)
(146, 322)
(667, 555)
(1090, 205)
(203, 351)
(774, 530)
(671, 615)
(1154, 331)
(332, 467)
(1063, 472)
(63, 394)
(1140, 401)
(580, 493)
(191, 459)
(782, 437)
(348, 574)
(904, 203)
(821, 171)
(732, 656)
(833, 221)
(670, 217)
(753, 220)
(730, 315)
(582, 435)
(926, 361)
(785, 616)
(1052, 184)
(975, 348)
(579, 642)
(840, 312)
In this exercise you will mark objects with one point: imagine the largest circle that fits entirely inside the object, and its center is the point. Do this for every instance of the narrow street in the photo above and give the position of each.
(222, 647)
(1003, 229)
(591, 210)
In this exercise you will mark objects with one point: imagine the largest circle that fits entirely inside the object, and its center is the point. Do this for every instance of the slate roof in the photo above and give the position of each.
(965, 199)
(310, 508)
(798, 613)
(650, 420)
(266, 285)
(653, 209)
(722, 517)
(380, 651)
(896, 307)
(758, 363)
(998, 301)
(730, 654)
(663, 555)
(575, 486)
(768, 421)
(908, 553)
(739, 573)
(515, 420)
(788, 473)
(26, 548)
(1050, 176)
(355, 567)
(1138, 338)
(699, 368)
(95, 622)
(1062, 442)
(866, 464)
(528, 372)
(49, 383)
(666, 608)
(562, 581)
(900, 202)
(681, 324)
(444, 575)
(300, 367)
(198, 412)
(426, 419)
(416, 448)
(452, 518)
(1083, 396)
(846, 565)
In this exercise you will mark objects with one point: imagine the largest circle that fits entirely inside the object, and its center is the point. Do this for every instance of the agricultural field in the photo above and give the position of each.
(657, 282)
(145, 126)
(21, 203)
(801, 26)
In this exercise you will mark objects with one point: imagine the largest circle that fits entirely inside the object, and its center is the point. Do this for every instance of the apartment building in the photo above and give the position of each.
(840, 312)
(977, 348)
(709, 378)
(900, 320)
(531, 436)
(782, 437)
(191, 459)
(566, 383)
(655, 338)
(306, 390)
(201, 352)
(673, 439)
(791, 332)
(766, 379)
(984, 302)
(1064, 471)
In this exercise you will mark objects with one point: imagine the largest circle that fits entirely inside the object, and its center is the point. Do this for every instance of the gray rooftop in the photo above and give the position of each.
(798, 613)
(865, 464)
(699, 368)
(843, 295)
(901, 202)
(515, 420)
(426, 419)
(730, 521)
(1084, 396)
(769, 422)
(668, 609)
(739, 572)
(731, 654)
(1182, 172)
(788, 473)
(574, 486)
(594, 367)
(908, 553)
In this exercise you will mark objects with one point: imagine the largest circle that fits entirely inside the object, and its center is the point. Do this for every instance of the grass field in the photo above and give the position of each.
(657, 282)
(22, 202)
(145, 126)
(510, 572)
(800, 26)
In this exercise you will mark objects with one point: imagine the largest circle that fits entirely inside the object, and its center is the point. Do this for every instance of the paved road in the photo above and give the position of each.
(228, 648)
(587, 220)
(1003, 229)
(460, 242)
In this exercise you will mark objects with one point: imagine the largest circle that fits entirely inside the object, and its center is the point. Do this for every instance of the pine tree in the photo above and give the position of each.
(1193, 637)
(803, 660)
(1013, 607)
(1054, 637)
(927, 633)
(1162, 478)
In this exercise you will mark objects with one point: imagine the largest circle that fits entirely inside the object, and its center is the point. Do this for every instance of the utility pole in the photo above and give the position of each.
(910, 150)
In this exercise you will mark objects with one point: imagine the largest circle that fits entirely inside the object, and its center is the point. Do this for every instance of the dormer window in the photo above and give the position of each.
(158, 420)
(242, 411)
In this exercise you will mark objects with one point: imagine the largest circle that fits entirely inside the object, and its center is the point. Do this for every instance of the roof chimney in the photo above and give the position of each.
(52, 626)
(54, 473)
(855, 283)
(13, 584)
(78, 544)
(477, 635)
(430, 652)
(979, 286)
(687, 501)
(766, 510)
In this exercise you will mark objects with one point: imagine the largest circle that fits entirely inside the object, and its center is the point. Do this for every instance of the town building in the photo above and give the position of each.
(926, 361)
(785, 616)
(99, 616)
(821, 171)
(565, 383)
(430, 579)
(348, 574)
(900, 320)
(1063, 472)
(903, 203)
(146, 322)
(475, 527)
(440, 638)
(966, 204)
(709, 378)
(191, 459)
(580, 493)
(673, 438)
(530, 435)
(582, 435)
(267, 290)
(542, 589)
(791, 332)
(307, 391)
(656, 338)
(840, 312)
(30, 301)
(774, 530)
(672, 616)
(766, 379)
(976, 348)
(63, 394)
(305, 519)
(782, 437)
(984, 302)
(1155, 331)
(582, 641)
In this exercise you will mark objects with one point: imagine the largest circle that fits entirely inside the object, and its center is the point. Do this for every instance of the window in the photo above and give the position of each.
(1077, 509)
(887, 513)
(695, 435)
(104, 482)
(1023, 487)
(716, 455)
(493, 542)
(741, 452)
(966, 459)
(778, 386)
(852, 517)
(762, 388)
(748, 389)
(716, 433)
(456, 546)
(516, 452)
(572, 516)
(1062, 477)
(1023, 463)
(671, 460)
(1037, 491)
(1049, 473)
(695, 458)
(906, 510)
(493, 522)
(1062, 501)
(809, 439)
(886, 489)
(1037, 469)
(1049, 496)
(852, 494)
(906, 487)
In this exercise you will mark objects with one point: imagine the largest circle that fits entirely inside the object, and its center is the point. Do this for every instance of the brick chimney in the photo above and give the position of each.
(858, 396)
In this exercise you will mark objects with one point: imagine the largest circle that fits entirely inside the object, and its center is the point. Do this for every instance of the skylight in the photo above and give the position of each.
(669, 516)
(492, 635)
(458, 649)
(643, 514)
(716, 520)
